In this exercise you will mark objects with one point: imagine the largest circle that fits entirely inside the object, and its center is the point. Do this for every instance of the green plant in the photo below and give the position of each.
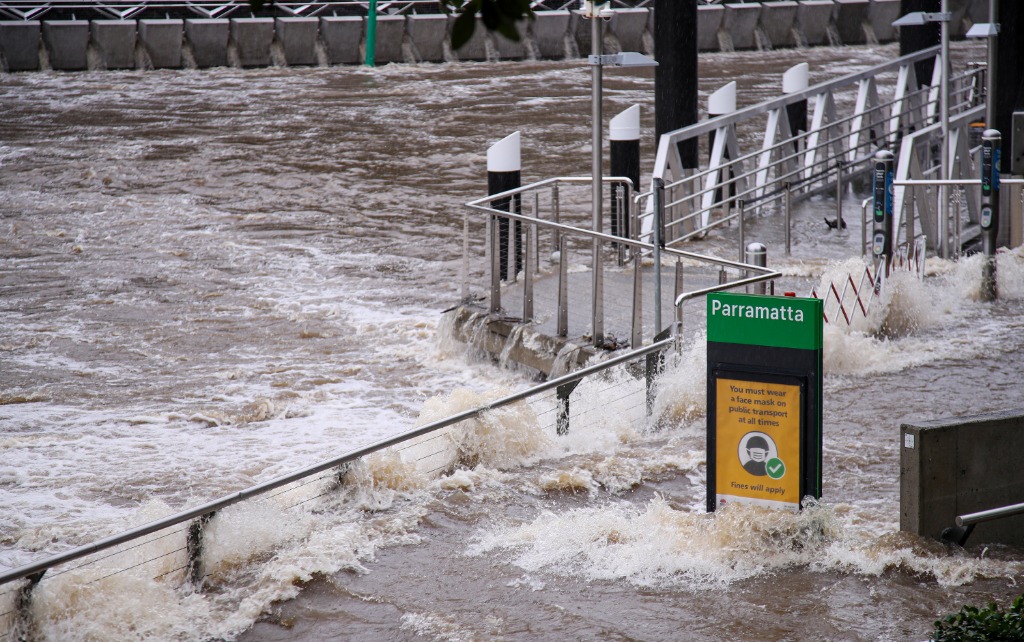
(988, 624)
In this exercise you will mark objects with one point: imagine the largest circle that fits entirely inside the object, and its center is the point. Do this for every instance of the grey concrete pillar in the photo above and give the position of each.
(476, 48)
(428, 34)
(67, 42)
(549, 31)
(813, 18)
(739, 23)
(162, 40)
(509, 49)
(19, 45)
(252, 38)
(881, 16)
(298, 39)
(208, 39)
(115, 42)
(390, 35)
(709, 21)
(342, 36)
(629, 25)
(851, 16)
(778, 22)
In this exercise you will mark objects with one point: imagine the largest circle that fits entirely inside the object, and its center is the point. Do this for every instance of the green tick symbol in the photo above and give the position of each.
(775, 468)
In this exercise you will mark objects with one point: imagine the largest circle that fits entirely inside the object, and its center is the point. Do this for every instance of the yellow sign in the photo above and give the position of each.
(757, 443)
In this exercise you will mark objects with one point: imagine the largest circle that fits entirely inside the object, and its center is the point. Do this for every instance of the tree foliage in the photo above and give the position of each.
(497, 15)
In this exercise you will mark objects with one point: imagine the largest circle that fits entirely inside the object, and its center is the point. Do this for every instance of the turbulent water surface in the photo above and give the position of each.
(209, 278)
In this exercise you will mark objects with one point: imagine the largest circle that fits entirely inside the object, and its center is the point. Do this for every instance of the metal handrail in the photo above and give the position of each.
(40, 566)
(988, 515)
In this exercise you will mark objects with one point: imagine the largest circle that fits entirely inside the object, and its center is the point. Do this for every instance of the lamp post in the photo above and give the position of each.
(989, 30)
(595, 11)
(917, 19)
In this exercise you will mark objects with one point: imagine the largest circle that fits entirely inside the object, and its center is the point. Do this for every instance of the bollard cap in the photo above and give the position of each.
(625, 126)
(723, 101)
(797, 78)
(503, 156)
(756, 247)
(884, 155)
(991, 134)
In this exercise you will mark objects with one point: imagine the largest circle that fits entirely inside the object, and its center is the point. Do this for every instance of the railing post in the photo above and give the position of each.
(555, 215)
(22, 628)
(657, 241)
(194, 550)
(493, 242)
(528, 275)
(563, 289)
(741, 206)
(636, 338)
(757, 254)
(788, 200)
(562, 394)
(840, 224)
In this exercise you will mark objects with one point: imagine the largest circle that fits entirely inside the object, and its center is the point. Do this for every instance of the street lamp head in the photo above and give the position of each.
(921, 18)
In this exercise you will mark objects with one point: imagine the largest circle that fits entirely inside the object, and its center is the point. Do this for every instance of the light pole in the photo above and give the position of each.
(917, 19)
(595, 12)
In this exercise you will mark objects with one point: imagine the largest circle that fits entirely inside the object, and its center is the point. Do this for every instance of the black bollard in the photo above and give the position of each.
(624, 139)
(503, 174)
(796, 78)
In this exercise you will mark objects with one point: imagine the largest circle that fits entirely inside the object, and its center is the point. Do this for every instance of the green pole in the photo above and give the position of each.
(371, 33)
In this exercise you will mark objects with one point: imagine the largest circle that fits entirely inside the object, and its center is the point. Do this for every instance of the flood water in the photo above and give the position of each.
(210, 278)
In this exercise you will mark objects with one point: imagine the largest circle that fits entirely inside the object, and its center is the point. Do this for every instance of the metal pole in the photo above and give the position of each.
(492, 235)
(531, 232)
(597, 301)
(991, 141)
(839, 196)
(990, 74)
(789, 209)
(465, 257)
(563, 289)
(740, 205)
(944, 115)
(659, 211)
(555, 215)
(371, 33)
(756, 254)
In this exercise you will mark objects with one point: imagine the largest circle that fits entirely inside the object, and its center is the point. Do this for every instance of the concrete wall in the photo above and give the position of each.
(739, 24)
(67, 44)
(208, 41)
(297, 37)
(813, 19)
(162, 40)
(63, 44)
(19, 45)
(549, 32)
(950, 467)
(114, 41)
(778, 20)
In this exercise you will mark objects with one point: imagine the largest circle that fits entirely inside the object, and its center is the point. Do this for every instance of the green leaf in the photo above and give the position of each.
(464, 26)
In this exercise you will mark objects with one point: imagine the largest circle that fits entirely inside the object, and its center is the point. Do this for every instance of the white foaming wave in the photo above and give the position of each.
(658, 546)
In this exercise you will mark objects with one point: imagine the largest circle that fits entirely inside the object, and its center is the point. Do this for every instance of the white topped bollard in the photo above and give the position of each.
(796, 79)
(624, 140)
(504, 166)
(720, 103)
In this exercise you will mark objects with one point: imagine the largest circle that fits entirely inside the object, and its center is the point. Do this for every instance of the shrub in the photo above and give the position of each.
(988, 624)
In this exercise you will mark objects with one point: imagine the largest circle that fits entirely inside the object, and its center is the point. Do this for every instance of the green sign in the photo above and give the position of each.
(764, 400)
(774, 321)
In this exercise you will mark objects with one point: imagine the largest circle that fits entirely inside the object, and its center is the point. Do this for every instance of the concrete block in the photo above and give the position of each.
(162, 39)
(778, 20)
(549, 30)
(851, 16)
(629, 25)
(342, 36)
(709, 21)
(208, 39)
(67, 43)
(428, 33)
(19, 45)
(952, 467)
(115, 42)
(476, 48)
(509, 49)
(813, 18)
(881, 17)
(297, 37)
(739, 22)
(252, 38)
(390, 34)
